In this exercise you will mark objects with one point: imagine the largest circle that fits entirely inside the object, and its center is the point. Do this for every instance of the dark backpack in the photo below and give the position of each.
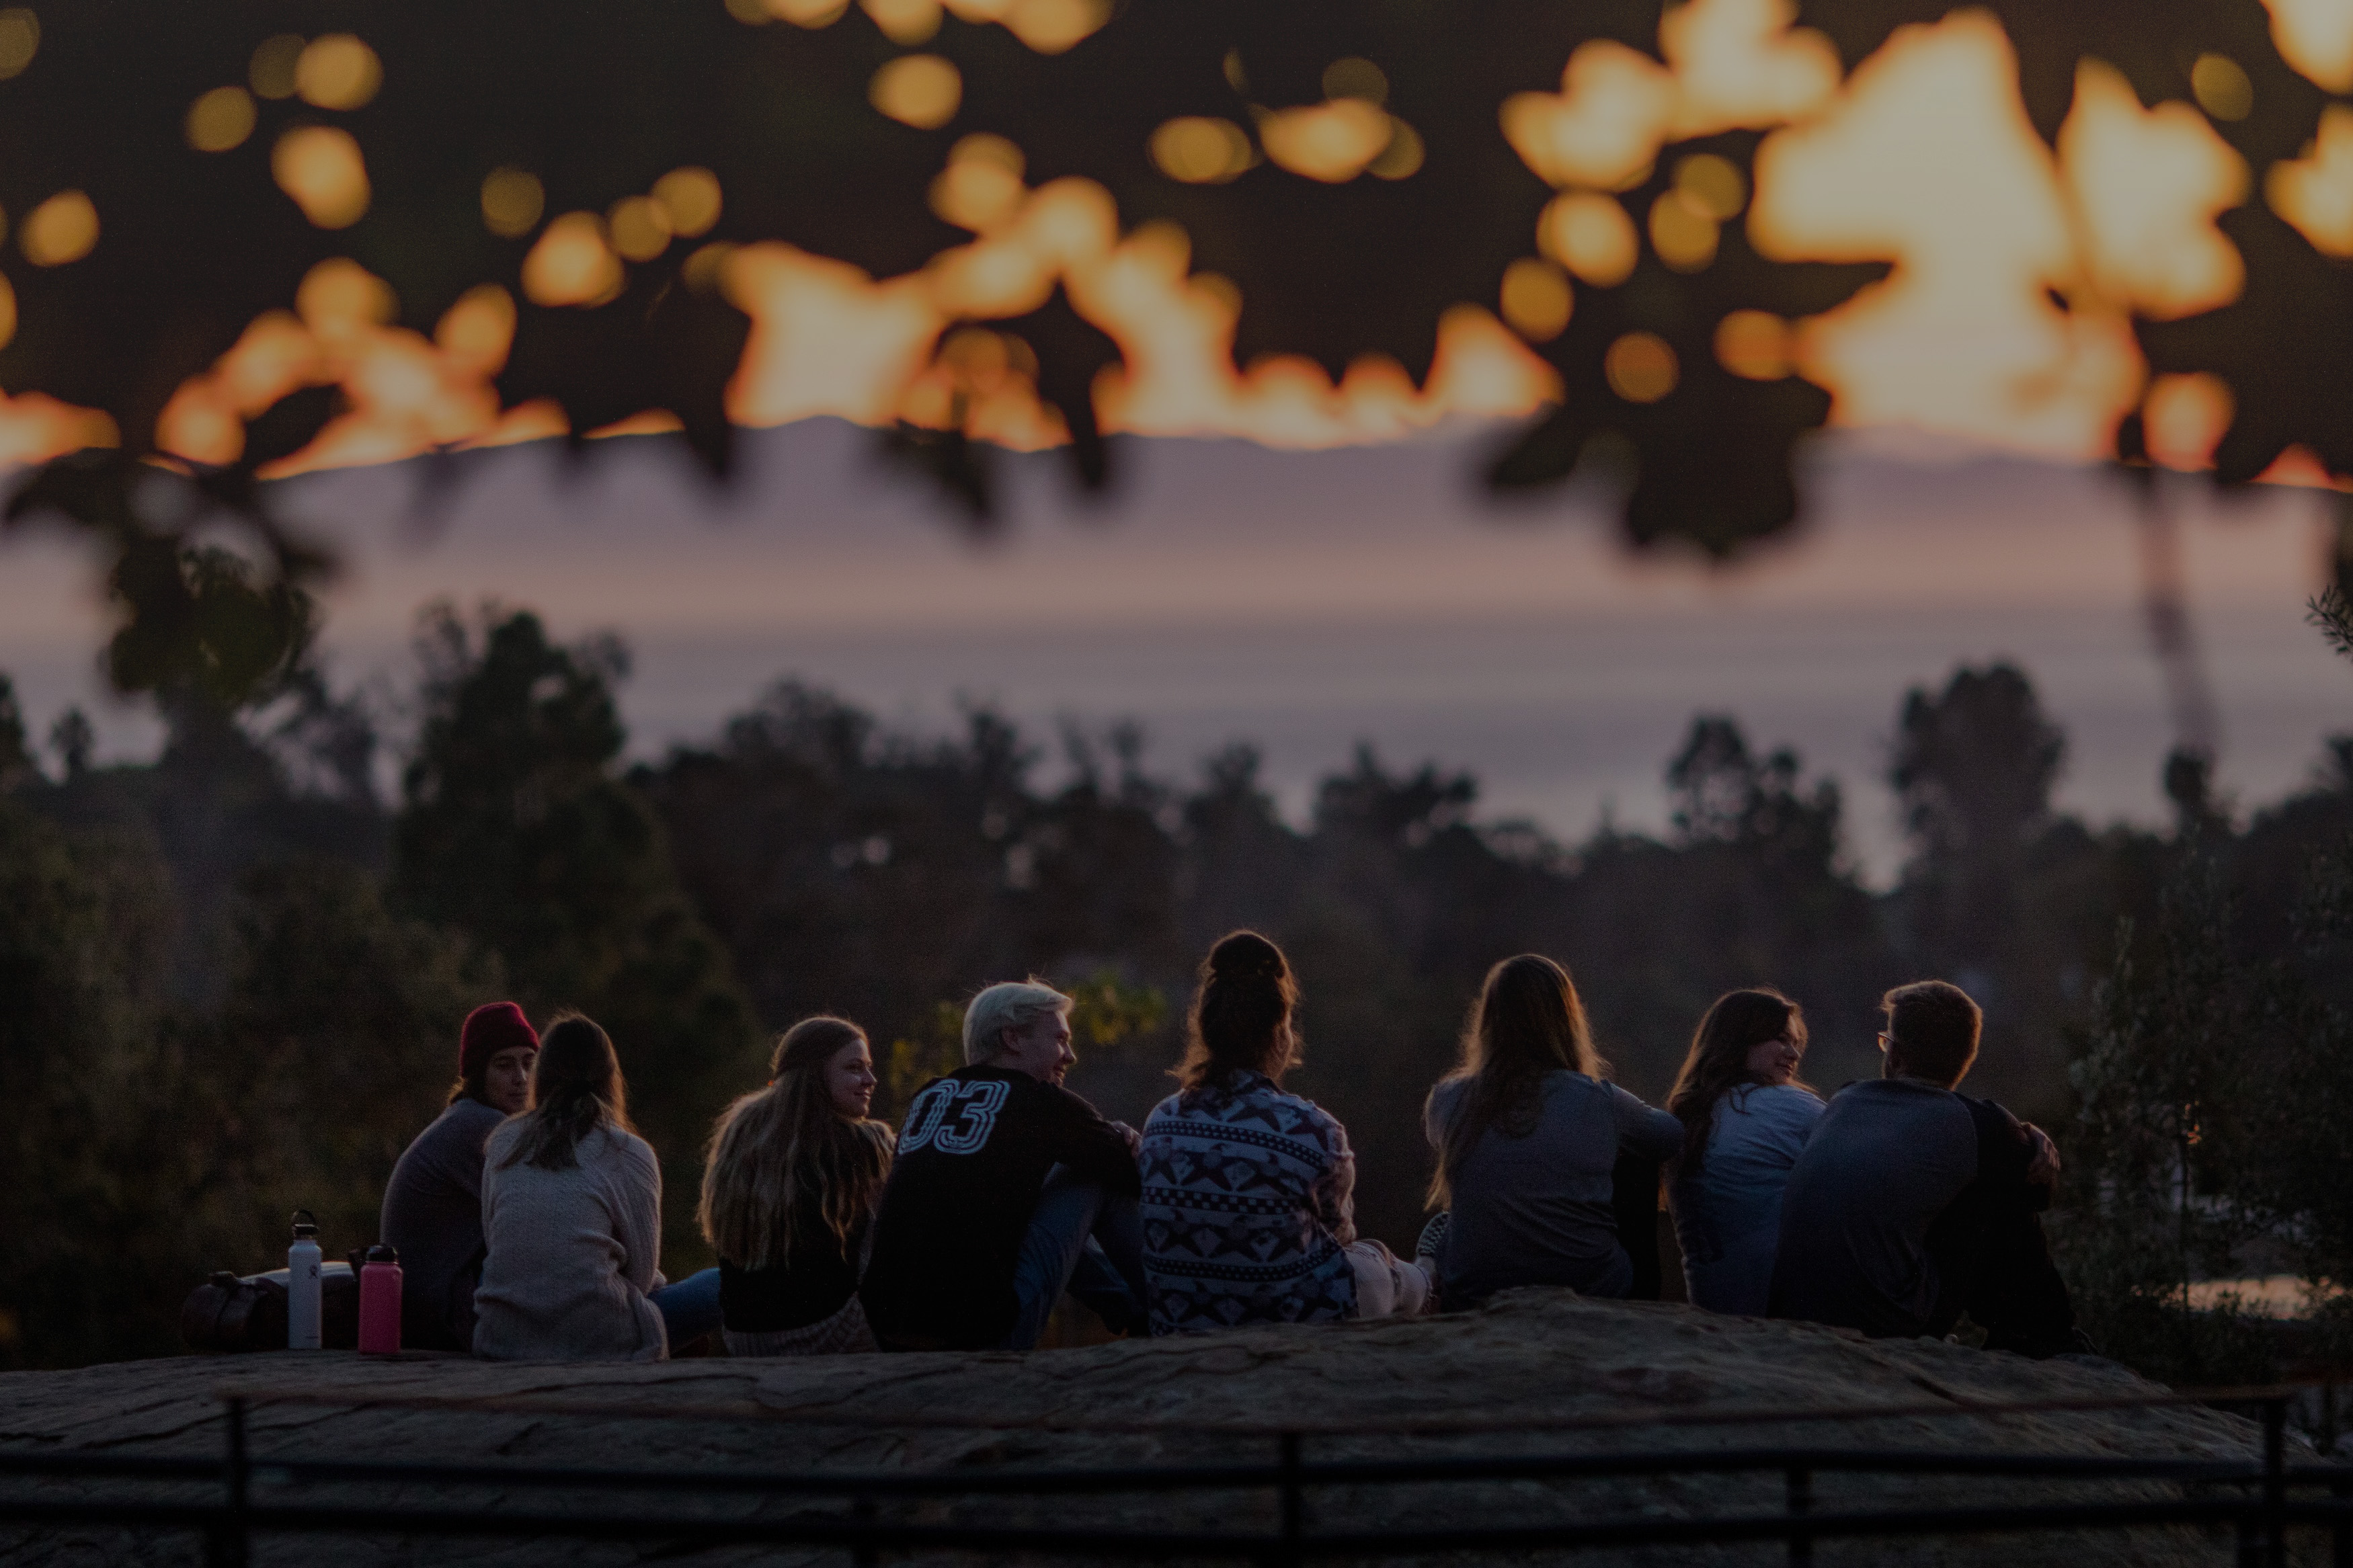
(229, 1312)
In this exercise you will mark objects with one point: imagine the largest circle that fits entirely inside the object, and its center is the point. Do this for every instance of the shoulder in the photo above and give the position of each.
(1791, 1100)
(502, 1133)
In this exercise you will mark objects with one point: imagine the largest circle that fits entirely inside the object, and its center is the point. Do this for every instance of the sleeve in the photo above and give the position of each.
(2004, 1153)
(1077, 1135)
(1437, 1110)
(637, 1217)
(1334, 1192)
(1652, 1135)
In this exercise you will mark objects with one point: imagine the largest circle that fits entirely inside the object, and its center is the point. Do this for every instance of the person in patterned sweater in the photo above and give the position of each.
(1248, 1208)
(1007, 1189)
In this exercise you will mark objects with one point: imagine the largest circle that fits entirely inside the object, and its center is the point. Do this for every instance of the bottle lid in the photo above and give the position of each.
(305, 1227)
(380, 1253)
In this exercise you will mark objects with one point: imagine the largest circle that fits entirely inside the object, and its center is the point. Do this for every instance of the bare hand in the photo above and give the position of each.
(1136, 1139)
(2044, 1170)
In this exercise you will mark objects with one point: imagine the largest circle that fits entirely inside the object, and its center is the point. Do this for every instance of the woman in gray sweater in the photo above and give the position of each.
(572, 1212)
(1528, 1133)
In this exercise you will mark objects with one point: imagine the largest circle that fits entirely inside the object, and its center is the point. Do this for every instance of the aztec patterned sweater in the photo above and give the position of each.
(1247, 1209)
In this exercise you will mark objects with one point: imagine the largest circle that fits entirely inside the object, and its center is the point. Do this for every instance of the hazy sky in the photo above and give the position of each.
(1308, 600)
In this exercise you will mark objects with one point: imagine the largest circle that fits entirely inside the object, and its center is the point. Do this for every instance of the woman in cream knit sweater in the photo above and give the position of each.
(571, 1216)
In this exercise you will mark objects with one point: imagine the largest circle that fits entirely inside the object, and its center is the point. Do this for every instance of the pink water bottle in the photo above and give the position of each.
(380, 1302)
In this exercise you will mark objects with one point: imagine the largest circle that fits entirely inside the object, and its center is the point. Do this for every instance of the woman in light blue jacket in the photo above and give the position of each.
(1745, 1117)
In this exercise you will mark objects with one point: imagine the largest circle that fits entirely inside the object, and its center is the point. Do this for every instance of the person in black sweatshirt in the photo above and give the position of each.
(1006, 1190)
(1911, 1203)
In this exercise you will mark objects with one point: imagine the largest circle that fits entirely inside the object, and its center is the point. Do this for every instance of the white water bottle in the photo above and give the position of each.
(302, 1312)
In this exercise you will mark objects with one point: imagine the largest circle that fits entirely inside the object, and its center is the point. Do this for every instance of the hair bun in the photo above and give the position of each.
(1246, 956)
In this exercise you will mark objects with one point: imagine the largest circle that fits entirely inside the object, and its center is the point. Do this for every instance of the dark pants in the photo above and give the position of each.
(1634, 1200)
(1992, 1263)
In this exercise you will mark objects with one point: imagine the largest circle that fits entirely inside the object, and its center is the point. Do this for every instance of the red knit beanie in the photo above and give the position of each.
(490, 1028)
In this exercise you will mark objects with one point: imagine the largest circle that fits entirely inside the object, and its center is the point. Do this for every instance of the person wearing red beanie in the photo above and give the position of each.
(432, 1205)
(496, 1048)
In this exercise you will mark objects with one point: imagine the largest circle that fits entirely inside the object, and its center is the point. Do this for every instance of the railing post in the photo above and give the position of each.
(1293, 1506)
(227, 1545)
(2276, 1482)
(865, 1554)
(1800, 1504)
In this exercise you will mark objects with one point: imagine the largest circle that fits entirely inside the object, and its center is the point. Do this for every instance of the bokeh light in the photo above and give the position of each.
(1201, 150)
(1357, 77)
(639, 227)
(1682, 233)
(61, 230)
(2315, 193)
(220, 119)
(321, 167)
(476, 332)
(2146, 185)
(339, 296)
(1402, 158)
(1640, 367)
(1051, 27)
(2183, 418)
(1535, 299)
(981, 188)
(904, 22)
(1755, 344)
(20, 40)
(1332, 142)
(572, 264)
(513, 200)
(921, 90)
(691, 196)
(808, 12)
(2222, 87)
(1714, 184)
(7, 311)
(2316, 37)
(1590, 234)
(271, 73)
(337, 71)
(1603, 128)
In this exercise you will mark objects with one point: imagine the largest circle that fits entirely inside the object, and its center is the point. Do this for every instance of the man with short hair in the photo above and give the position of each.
(1911, 1203)
(1007, 1189)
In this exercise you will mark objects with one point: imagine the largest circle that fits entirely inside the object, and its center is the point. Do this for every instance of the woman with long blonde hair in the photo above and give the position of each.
(788, 1196)
(1528, 1132)
(1746, 1118)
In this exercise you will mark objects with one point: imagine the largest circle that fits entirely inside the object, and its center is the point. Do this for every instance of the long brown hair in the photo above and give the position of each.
(1527, 1022)
(1738, 1023)
(575, 1088)
(774, 1150)
(1240, 1020)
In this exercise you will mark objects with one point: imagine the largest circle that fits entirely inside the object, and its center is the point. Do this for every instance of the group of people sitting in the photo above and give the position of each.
(528, 1216)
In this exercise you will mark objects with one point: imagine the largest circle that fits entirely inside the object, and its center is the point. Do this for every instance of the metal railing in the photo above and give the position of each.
(2259, 1502)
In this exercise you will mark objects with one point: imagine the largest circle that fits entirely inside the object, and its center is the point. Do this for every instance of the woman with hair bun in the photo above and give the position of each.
(788, 1196)
(1529, 1134)
(1746, 1118)
(1248, 1209)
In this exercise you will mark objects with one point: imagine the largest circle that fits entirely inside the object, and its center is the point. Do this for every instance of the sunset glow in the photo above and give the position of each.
(1922, 157)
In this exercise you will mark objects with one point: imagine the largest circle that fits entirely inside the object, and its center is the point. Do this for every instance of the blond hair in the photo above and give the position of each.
(1015, 1005)
(776, 1154)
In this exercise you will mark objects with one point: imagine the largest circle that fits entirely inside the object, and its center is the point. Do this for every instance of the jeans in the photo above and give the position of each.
(1084, 1238)
(690, 1308)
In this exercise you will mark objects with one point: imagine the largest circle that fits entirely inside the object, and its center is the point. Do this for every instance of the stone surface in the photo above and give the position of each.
(1479, 1384)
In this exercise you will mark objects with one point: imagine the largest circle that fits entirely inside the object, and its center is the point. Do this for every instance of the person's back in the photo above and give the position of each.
(1886, 1158)
(1535, 1208)
(433, 1217)
(573, 1253)
(973, 1155)
(1728, 1213)
(432, 1211)
(1247, 1209)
